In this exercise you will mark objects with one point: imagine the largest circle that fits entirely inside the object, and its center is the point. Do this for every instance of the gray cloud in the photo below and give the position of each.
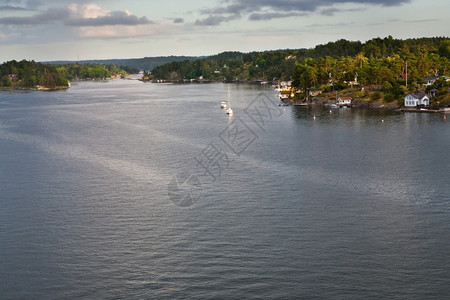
(234, 9)
(178, 20)
(273, 15)
(33, 4)
(215, 20)
(268, 9)
(13, 8)
(330, 11)
(46, 17)
(423, 21)
(18, 5)
(65, 16)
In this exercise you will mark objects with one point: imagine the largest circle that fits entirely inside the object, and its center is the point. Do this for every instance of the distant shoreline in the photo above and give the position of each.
(36, 88)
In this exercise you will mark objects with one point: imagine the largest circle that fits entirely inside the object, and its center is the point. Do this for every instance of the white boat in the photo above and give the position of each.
(223, 105)
(229, 110)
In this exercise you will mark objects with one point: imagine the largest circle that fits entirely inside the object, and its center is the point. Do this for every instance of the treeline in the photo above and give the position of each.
(375, 62)
(131, 65)
(29, 74)
(93, 71)
(224, 65)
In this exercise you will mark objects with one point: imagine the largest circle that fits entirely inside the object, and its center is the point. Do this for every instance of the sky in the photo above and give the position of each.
(44, 30)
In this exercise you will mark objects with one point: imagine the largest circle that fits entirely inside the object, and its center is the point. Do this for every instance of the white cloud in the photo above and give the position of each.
(88, 10)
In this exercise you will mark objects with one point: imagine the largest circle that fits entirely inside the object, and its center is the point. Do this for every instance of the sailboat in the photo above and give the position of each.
(229, 110)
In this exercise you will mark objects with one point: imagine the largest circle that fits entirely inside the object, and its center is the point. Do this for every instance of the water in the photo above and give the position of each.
(352, 204)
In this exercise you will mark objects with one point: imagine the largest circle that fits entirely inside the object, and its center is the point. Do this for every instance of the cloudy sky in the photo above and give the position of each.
(96, 29)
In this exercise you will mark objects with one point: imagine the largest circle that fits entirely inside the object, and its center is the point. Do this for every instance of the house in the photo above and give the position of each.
(433, 92)
(414, 100)
(315, 92)
(430, 80)
(345, 101)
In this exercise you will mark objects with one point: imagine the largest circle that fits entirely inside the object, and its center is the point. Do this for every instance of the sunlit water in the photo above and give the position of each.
(347, 204)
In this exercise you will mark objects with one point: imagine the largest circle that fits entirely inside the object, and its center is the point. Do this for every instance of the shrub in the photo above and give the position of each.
(375, 96)
(388, 97)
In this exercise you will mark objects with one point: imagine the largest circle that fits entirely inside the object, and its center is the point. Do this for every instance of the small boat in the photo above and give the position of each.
(229, 110)
(223, 105)
(334, 106)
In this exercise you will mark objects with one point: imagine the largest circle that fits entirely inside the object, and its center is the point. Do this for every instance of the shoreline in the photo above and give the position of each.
(36, 88)
(371, 106)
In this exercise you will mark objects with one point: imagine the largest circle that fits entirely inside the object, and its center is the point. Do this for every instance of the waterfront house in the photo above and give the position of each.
(345, 101)
(415, 100)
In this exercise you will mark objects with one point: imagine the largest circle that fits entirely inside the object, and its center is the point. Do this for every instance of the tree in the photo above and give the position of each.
(304, 77)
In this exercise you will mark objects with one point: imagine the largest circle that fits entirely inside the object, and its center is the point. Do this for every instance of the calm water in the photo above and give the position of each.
(353, 204)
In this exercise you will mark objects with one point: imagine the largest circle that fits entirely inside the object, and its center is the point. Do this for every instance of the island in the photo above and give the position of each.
(38, 76)
(31, 75)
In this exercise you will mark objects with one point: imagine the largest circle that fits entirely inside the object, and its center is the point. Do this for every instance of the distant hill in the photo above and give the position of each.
(146, 63)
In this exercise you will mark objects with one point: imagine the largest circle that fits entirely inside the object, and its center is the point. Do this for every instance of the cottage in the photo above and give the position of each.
(430, 80)
(433, 92)
(414, 100)
(345, 101)
(315, 92)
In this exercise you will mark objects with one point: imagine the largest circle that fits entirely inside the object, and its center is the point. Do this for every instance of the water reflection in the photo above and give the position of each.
(344, 115)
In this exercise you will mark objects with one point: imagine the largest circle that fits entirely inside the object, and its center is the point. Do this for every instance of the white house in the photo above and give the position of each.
(414, 100)
(345, 101)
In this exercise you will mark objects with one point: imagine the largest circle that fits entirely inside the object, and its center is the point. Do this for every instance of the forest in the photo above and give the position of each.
(379, 64)
(78, 71)
(31, 74)
(137, 64)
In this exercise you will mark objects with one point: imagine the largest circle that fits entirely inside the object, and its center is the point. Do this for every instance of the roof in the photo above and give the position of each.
(417, 95)
(345, 98)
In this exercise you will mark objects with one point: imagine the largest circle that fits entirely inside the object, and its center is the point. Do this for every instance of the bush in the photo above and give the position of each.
(375, 96)
(6, 81)
(388, 97)
(386, 87)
